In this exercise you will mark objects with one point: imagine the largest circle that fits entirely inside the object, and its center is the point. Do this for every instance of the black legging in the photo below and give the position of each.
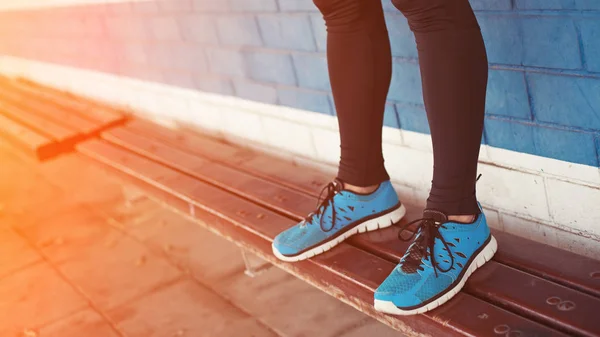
(453, 65)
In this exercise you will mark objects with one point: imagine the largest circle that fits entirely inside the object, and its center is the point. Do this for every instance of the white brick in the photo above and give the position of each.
(408, 166)
(392, 135)
(514, 191)
(528, 229)
(546, 166)
(493, 218)
(327, 144)
(289, 136)
(578, 244)
(417, 140)
(243, 124)
(206, 116)
(575, 206)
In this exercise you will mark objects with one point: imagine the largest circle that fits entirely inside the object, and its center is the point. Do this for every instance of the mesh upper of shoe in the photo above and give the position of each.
(463, 240)
(350, 208)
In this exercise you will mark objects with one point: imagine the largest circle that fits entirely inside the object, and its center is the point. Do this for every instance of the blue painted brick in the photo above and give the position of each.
(550, 42)
(491, 4)
(319, 31)
(402, 39)
(199, 28)
(159, 56)
(215, 85)
(134, 53)
(598, 147)
(507, 94)
(94, 27)
(165, 28)
(119, 8)
(297, 6)
(168, 6)
(255, 91)
(238, 30)
(558, 4)
(406, 83)
(590, 38)
(142, 73)
(253, 5)
(208, 6)
(144, 7)
(189, 57)
(305, 100)
(572, 146)
(287, 32)
(128, 28)
(510, 135)
(182, 79)
(270, 67)
(413, 118)
(503, 40)
(312, 71)
(390, 116)
(226, 62)
(566, 100)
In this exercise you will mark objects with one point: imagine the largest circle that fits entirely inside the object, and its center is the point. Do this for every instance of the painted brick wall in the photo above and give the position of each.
(544, 88)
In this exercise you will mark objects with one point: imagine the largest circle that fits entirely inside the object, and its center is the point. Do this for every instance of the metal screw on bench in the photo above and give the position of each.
(560, 304)
(505, 330)
(501, 329)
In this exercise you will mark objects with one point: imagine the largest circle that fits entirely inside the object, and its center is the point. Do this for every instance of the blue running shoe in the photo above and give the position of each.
(340, 215)
(436, 265)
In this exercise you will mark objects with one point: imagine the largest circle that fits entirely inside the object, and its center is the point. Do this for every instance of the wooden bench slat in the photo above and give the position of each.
(296, 204)
(540, 260)
(310, 181)
(264, 224)
(32, 143)
(56, 115)
(73, 104)
(582, 273)
(40, 125)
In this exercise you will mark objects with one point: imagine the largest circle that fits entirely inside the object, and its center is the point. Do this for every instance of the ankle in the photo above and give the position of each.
(462, 218)
(360, 189)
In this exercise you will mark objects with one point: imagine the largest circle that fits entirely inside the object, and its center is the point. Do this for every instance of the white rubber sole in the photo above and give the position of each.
(484, 256)
(383, 221)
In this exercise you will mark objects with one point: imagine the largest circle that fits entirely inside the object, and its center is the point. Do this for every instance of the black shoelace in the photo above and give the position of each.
(331, 189)
(422, 247)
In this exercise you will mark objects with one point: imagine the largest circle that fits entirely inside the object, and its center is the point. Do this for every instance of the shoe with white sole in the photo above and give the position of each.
(340, 215)
(436, 265)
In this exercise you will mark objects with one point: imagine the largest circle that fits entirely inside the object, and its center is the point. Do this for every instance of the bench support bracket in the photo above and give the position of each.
(254, 265)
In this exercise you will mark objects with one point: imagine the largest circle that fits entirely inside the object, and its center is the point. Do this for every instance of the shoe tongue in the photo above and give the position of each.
(339, 185)
(437, 216)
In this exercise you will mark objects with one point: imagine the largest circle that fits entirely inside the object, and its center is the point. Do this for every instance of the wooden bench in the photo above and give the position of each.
(529, 289)
(46, 124)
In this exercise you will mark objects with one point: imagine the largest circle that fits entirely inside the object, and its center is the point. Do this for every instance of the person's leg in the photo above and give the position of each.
(454, 71)
(360, 70)
(362, 198)
(453, 238)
